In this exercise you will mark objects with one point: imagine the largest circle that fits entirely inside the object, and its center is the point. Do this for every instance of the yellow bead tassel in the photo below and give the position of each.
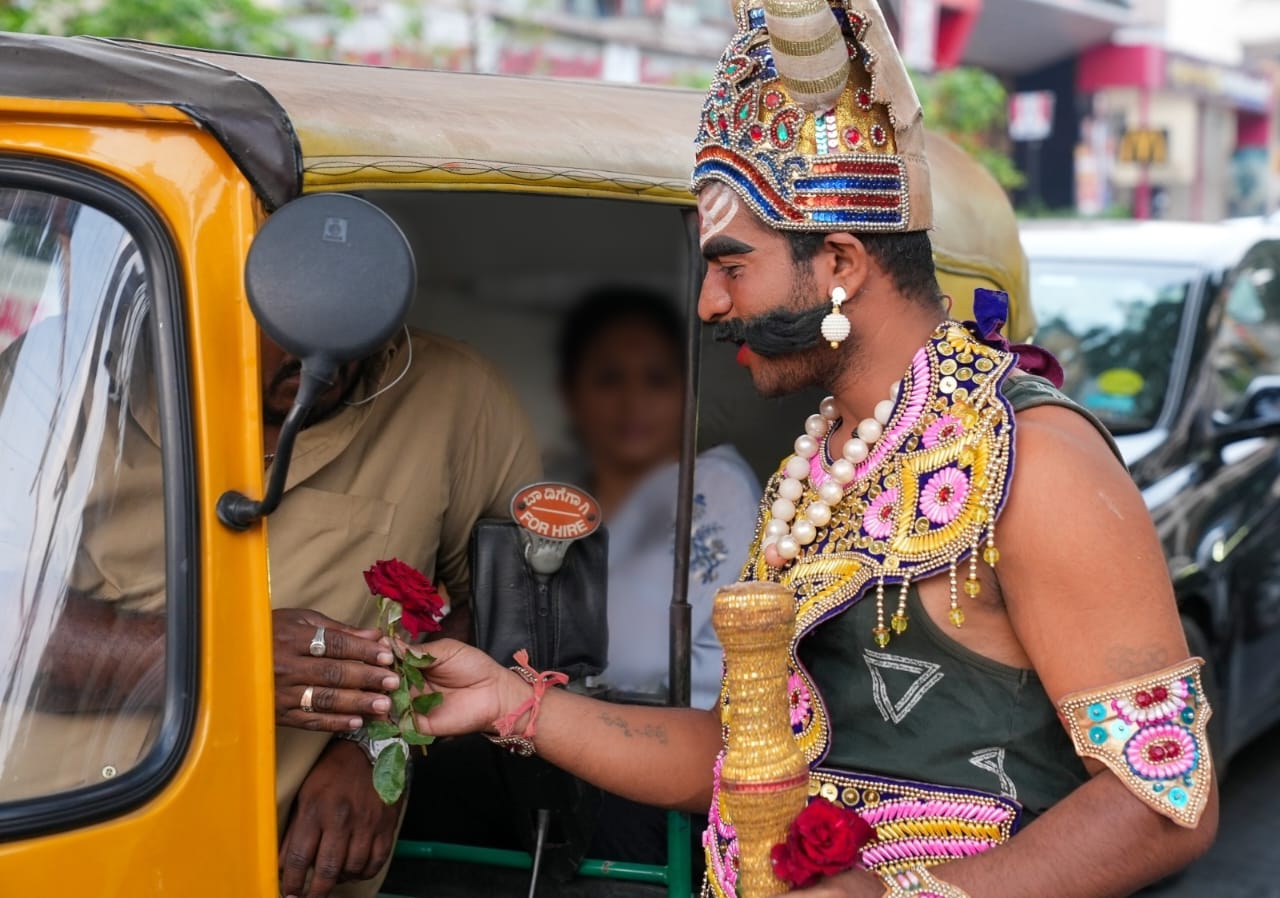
(957, 613)
(991, 555)
(881, 632)
(899, 620)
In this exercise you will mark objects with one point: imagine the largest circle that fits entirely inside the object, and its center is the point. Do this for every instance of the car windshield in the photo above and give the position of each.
(1114, 327)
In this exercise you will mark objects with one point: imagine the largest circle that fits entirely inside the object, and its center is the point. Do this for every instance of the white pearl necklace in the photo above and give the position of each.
(789, 530)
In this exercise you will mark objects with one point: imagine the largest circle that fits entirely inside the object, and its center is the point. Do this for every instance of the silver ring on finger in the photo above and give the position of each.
(306, 698)
(317, 647)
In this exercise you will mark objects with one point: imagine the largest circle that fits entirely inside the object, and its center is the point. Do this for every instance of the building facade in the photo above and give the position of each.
(1148, 117)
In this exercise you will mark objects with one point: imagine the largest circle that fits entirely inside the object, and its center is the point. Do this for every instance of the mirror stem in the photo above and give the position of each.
(236, 510)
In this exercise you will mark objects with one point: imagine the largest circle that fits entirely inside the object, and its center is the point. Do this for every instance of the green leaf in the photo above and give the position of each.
(409, 732)
(388, 773)
(424, 703)
(415, 677)
(381, 729)
(416, 738)
(418, 660)
(400, 699)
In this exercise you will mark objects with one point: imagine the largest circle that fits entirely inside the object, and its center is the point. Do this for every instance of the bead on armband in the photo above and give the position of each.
(522, 744)
(919, 883)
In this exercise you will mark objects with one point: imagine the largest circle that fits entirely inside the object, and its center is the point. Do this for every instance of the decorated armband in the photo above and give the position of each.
(918, 882)
(1151, 732)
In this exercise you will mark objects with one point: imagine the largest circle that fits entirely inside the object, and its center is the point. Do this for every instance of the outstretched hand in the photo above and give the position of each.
(477, 690)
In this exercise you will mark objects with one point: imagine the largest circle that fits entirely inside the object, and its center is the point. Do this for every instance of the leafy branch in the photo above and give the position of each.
(971, 107)
(236, 25)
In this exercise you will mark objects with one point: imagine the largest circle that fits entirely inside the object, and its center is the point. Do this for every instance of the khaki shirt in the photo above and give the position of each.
(405, 476)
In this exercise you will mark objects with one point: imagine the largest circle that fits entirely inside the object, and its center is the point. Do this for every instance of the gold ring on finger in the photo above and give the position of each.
(306, 698)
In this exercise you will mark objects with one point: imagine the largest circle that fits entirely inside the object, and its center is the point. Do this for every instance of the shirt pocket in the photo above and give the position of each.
(319, 545)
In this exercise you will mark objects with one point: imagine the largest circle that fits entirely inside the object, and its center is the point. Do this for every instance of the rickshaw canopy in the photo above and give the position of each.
(296, 126)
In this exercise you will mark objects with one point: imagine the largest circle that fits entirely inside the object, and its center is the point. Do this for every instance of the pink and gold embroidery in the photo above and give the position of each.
(878, 519)
(801, 703)
(916, 824)
(1151, 733)
(943, 497)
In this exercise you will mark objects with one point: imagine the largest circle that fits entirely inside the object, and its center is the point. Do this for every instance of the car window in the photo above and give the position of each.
(1248, 341)
(1114, 327)
(75, 411)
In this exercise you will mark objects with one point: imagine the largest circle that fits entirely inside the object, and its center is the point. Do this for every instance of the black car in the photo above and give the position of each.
(1170, 333)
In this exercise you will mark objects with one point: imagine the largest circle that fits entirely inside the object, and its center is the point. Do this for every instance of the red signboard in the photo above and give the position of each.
(556, 511)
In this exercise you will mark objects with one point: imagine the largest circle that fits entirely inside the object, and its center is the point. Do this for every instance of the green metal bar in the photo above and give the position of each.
(623, 870)
(679, 856)
(520, 860)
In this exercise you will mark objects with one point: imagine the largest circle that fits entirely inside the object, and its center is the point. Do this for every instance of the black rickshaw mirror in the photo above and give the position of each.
(330, 278)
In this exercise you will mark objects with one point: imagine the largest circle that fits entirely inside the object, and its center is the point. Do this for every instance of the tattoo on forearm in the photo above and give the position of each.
(648, 731)
(1131, 661)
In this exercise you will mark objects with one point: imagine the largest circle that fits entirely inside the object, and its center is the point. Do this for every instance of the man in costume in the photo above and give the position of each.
(401, 457)
(1013, 717)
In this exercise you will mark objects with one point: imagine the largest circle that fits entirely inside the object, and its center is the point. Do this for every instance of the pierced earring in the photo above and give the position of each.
(835, 327)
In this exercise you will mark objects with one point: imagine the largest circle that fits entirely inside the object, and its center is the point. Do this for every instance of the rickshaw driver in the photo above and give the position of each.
(402, 456)
(1077, 622)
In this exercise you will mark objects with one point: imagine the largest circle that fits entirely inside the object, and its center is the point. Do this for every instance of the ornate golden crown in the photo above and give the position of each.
(812, 119)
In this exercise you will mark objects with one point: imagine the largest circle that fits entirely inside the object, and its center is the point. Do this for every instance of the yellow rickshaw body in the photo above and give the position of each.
(211, 831)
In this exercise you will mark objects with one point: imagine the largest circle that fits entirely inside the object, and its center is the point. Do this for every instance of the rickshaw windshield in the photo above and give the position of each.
(76, 405)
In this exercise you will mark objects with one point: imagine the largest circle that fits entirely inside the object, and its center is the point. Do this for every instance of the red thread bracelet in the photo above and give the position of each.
(540, 682)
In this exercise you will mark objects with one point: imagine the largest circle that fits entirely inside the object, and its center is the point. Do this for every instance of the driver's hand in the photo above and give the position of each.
(349, 684)
(340, 829)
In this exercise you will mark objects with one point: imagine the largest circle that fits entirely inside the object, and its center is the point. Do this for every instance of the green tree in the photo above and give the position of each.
(13, 17)
(238, 25)
(971, 107)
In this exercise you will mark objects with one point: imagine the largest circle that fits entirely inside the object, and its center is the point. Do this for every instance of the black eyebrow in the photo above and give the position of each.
(717, 247)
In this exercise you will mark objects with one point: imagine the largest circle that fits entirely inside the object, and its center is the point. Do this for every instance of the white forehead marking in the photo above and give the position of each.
(717, 207)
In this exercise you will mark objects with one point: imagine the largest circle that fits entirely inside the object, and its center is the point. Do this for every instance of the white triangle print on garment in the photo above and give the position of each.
(927, 675)
(992, 761)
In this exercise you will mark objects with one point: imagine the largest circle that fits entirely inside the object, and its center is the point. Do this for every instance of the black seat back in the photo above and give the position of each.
(562, 620)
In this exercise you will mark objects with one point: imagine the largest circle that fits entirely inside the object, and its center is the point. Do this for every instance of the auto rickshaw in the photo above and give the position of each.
(134, 180)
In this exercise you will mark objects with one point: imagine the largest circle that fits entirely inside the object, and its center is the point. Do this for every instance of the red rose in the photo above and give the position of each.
(420, 604)
(791, 868)
(824, 840)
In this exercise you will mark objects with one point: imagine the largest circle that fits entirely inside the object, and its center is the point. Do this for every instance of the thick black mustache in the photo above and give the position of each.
(776, 333)
(283, 373)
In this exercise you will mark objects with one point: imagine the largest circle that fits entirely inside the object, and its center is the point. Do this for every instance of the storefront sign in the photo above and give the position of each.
(1243, 89)
(1031, 115)
(1145, 146)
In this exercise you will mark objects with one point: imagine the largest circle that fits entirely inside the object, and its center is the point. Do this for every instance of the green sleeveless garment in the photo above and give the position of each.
(927, 708)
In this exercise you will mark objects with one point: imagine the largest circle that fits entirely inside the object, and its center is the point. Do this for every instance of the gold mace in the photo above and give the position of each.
(764, 783)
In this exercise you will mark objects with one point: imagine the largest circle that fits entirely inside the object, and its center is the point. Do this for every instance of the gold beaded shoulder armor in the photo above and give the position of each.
(1151, 732)
(918, 492)
(924, 500)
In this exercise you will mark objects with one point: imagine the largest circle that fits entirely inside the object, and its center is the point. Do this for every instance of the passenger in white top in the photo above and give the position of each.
(622, 376)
